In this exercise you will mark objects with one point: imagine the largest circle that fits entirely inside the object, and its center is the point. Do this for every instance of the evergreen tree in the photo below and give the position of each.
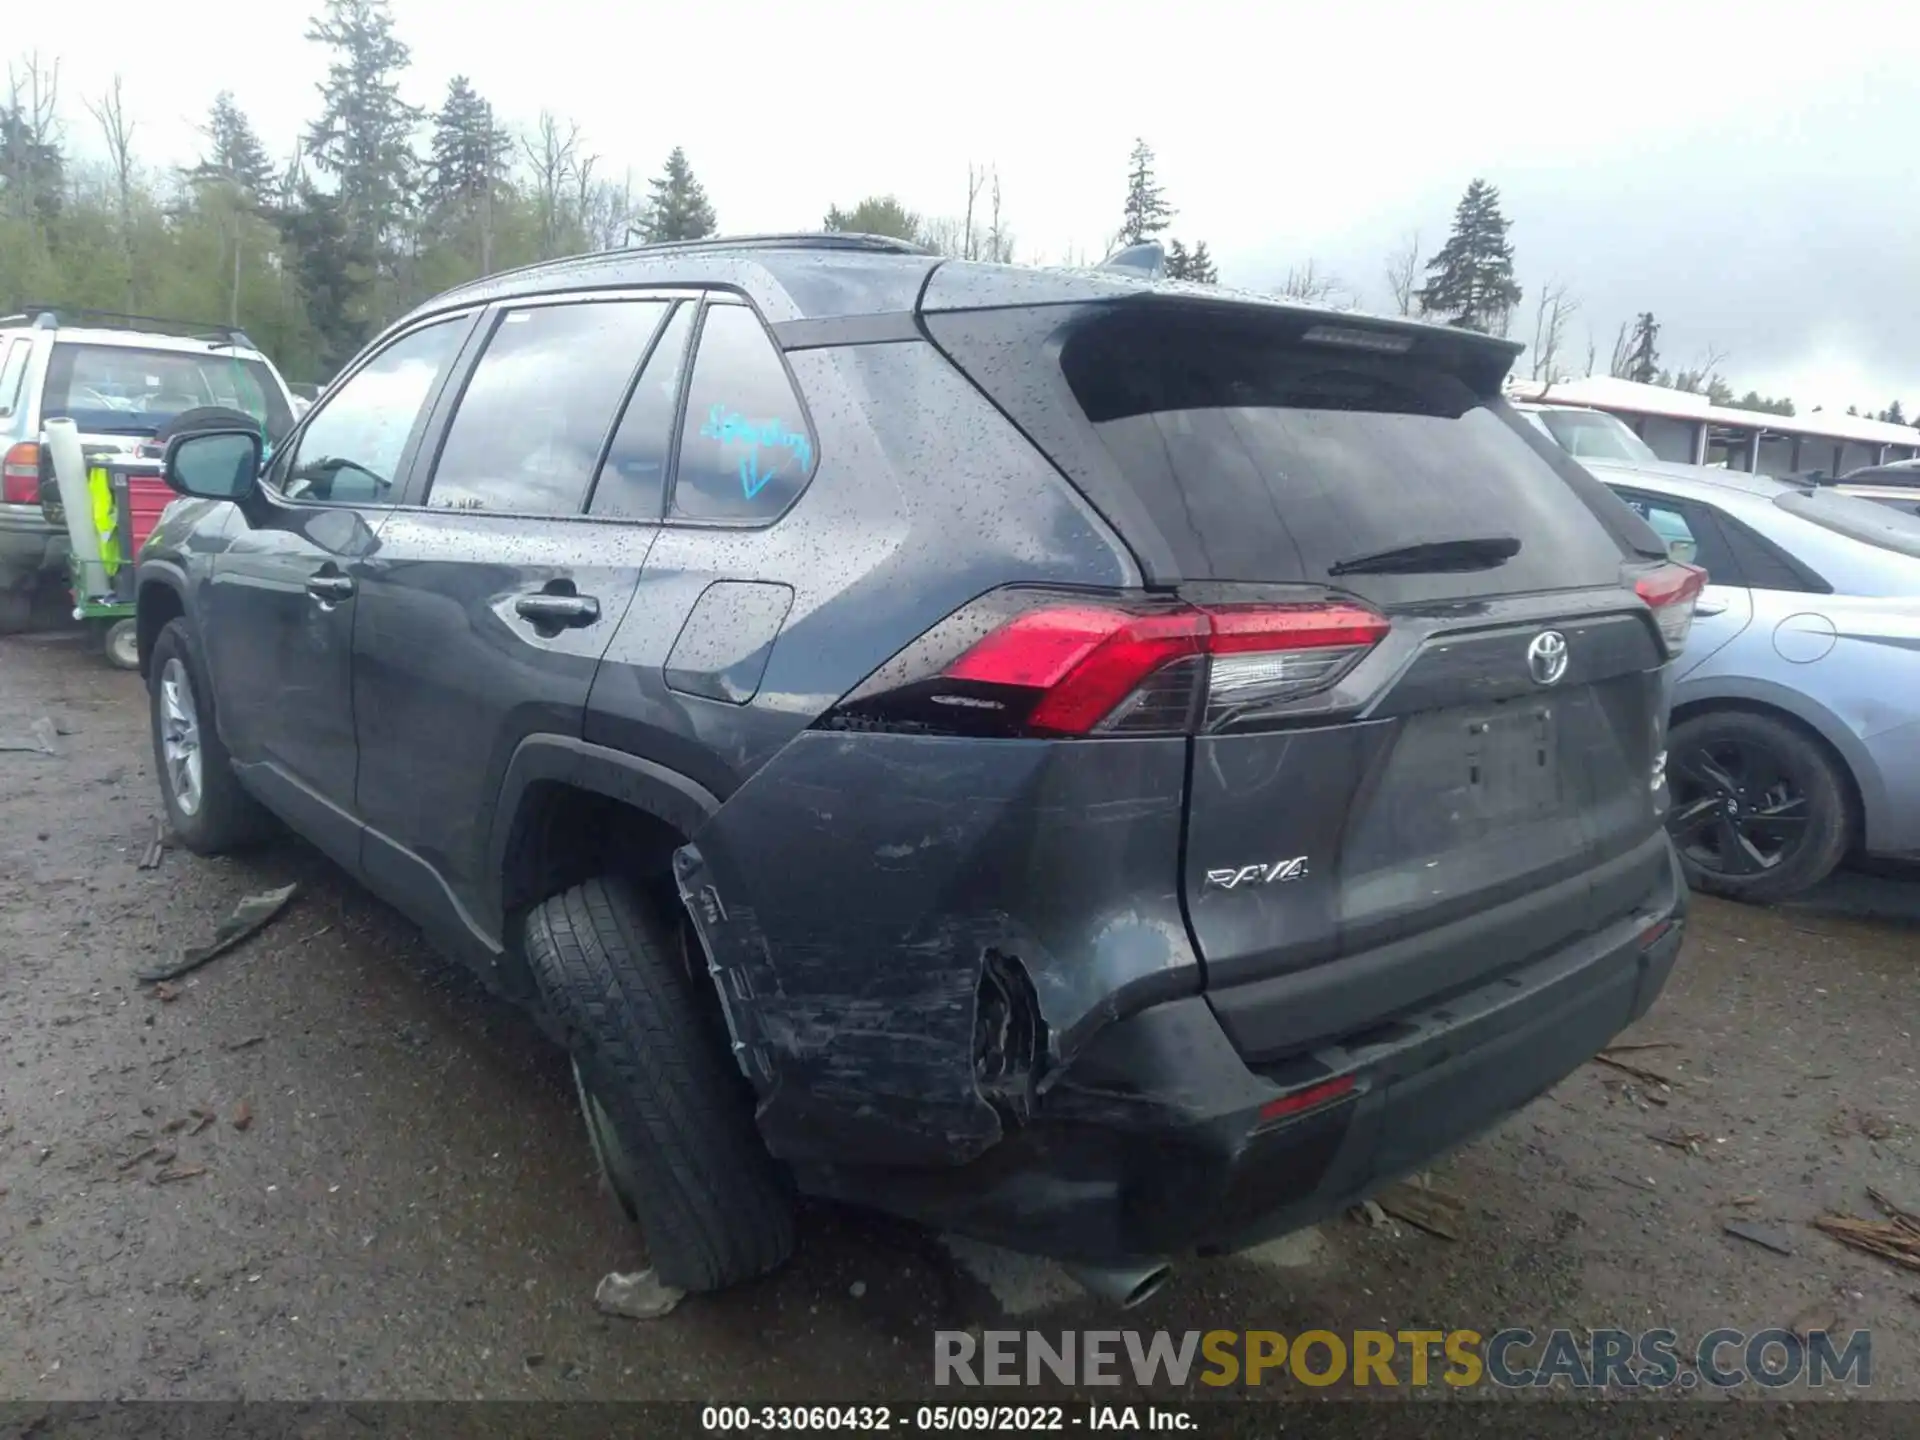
(1893, 414)
(1200, 267)
(467, 160)
(33, 173)
(1179, 263)
(677, 207)
(1643, 355)
(1470, 281)
(1147, 212)
(876, 215)
(325, 259)
(363, 137)
(234, 154)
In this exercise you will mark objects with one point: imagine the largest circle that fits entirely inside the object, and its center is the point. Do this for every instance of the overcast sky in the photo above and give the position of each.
(1747, 173)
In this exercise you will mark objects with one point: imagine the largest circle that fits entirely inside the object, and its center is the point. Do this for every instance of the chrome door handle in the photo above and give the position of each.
(547, 609)
(329, 587)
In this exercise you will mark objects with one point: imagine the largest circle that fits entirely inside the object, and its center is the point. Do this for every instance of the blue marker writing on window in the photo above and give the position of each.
(730, 427)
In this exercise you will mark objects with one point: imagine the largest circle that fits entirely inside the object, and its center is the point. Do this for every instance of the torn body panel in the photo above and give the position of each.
(901, 978)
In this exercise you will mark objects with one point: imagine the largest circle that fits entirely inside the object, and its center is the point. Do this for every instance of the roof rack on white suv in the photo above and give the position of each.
(42, 315)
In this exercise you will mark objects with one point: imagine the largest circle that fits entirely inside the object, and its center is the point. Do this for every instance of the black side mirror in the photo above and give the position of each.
(214, 464)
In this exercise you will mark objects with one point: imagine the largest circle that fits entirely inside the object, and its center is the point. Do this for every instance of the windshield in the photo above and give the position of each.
(124, 390)
(1879, 525)
(1589, 435)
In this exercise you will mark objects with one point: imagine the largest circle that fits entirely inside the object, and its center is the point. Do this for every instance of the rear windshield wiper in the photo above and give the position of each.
(1482, 552)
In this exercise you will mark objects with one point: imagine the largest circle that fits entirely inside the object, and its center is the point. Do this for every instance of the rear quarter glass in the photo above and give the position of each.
(1252, 454)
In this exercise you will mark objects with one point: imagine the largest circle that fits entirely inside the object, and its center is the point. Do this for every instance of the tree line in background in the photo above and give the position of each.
(311, 255)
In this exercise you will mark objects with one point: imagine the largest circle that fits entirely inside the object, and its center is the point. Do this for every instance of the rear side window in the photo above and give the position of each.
(1669, 522)
(537, 408)
(746, 450)
(633, 478)
(13, 367)
(1274, 458)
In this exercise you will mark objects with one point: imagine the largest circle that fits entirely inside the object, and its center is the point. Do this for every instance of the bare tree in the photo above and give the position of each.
(1403, 275)
(551, 155)
(1550, 318)
(1308, 282)
(1593, 351)
(117, 130)
(965, 237)
(1621, 365)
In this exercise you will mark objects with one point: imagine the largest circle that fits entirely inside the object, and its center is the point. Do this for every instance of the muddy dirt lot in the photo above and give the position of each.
(411, 1208)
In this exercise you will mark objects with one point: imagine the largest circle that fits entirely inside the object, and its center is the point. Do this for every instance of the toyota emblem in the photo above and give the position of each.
(1547, 657)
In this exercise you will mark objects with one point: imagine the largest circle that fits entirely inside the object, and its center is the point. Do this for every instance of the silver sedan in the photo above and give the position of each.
(1795, 731)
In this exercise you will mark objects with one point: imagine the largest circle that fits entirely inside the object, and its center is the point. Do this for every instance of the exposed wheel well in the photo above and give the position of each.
(1856, 806)
(562, 835)
(159, 605)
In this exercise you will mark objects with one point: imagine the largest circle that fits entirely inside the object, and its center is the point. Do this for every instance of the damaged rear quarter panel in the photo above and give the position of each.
(849, 894)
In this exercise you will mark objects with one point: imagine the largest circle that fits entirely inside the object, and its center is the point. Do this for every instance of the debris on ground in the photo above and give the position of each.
(1434, 1211)
(1744, 1200)
(1368, 1212)
(175, 1126)
(1759, 1235)
(1897, 1238)
(156, 847)
(135, 1160)
(1687, 1140)
(165, 992)
(1820, 1316)
(250, 915)
(1627, 1047)
(1639, 1072)
(1636, 1182)
(242, 1116)
(39, 739)
(248, 1043)
(637, 1296)
(186, 1172)
(202, 1119)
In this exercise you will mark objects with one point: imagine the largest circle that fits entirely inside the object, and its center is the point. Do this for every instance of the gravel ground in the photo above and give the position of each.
(411, 1209)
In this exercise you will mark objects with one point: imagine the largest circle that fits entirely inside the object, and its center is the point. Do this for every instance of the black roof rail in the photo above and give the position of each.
(46, 316)
(794, 240)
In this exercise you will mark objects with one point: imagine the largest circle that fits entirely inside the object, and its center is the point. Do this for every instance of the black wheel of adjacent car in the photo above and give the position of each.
(206, 807)
(669, 1115)
(1760, 810)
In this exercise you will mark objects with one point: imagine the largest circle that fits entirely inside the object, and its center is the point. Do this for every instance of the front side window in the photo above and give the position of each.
(1589, 435)
(746, 450)
(351, 449)
(538, 407)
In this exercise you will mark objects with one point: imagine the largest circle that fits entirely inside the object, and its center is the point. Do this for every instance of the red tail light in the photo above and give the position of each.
(1670, 592)
(20, 475)
(1050, 666)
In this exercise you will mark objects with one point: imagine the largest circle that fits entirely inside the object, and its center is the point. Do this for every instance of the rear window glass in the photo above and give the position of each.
(1587, 436)
(124, 390)
(1280, 460)
(1862, 520)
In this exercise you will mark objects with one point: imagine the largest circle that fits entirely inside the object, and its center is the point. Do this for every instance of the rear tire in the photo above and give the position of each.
(206, 806)
(670, 1118)
(1761, 811)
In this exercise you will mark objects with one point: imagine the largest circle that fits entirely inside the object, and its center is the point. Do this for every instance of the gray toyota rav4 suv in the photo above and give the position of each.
(1108, 767)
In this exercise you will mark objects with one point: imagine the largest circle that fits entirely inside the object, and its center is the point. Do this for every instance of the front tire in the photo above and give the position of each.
(1760, 809)
(205, 805)
(670, 1118)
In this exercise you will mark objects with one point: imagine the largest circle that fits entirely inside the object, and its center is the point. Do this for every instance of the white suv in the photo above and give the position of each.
(119, 378)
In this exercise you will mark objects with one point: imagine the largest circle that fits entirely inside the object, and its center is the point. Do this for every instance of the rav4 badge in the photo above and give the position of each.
(1294, 869)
